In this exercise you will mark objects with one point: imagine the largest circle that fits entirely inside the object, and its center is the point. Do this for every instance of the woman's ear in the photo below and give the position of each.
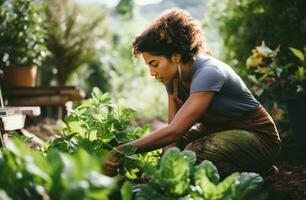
(176, 58)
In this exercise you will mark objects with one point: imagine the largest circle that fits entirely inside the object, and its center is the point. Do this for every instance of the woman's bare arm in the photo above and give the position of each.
(190, 112)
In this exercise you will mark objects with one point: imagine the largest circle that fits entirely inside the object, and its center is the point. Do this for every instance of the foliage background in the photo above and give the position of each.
(245, 24)
(89, 43)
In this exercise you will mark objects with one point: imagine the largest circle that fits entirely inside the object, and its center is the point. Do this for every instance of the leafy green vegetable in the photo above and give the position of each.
(26, 174)
(174, 180)
(174, 172)
(246, 186)
(207, 178)
(98, 125)
(126, 191)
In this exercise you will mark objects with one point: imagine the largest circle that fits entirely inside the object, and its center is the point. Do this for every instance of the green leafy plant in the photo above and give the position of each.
(274, 83)
(297, 79)
(179, 178)
(263, 71)
(272, 79)
(244, 24)
(125, 8)
(98, 125)
(22, 33)
(26, 174)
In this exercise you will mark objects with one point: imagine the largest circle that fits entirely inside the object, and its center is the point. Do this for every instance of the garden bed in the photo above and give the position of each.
(289, 183)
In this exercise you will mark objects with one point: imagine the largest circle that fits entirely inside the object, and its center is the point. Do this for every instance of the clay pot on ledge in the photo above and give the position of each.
(19, 76)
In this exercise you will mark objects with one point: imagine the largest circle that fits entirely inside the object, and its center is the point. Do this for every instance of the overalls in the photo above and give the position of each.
(247, 143)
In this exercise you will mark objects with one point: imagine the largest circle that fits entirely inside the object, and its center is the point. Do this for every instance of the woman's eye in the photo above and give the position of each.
(154, 65)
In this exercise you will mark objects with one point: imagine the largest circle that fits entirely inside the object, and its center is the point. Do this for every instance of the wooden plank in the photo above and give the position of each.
(27, 110)
(30, 91)
(39, 101)
(13, 122)
(41, 96)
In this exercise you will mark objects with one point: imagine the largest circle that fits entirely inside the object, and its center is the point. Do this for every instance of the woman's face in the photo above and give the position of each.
(163, 69)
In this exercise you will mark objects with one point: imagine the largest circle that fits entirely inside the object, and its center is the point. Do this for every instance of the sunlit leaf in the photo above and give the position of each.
(299, 54)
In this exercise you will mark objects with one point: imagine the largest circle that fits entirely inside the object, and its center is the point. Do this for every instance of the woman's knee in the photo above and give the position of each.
(207, 151)
(204, 149)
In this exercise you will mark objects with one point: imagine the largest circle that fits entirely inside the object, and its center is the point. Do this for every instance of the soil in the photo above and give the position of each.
(290, 182)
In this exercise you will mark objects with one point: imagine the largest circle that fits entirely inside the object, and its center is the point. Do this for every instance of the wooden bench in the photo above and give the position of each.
(42, 96)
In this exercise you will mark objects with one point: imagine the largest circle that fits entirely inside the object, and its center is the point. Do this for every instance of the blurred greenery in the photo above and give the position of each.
(125, 7)
(22, 33)
(90, 43)
(28, 174)
(245, 23)
(74, 37)
(130, 79)
(91, 47)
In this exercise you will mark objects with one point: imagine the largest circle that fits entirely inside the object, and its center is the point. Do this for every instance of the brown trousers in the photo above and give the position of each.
(247, 143)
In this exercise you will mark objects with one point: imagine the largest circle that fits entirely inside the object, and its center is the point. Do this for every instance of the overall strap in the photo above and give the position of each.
(178, 102)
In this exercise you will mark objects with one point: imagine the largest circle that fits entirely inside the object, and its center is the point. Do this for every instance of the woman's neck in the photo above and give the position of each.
(186, 72)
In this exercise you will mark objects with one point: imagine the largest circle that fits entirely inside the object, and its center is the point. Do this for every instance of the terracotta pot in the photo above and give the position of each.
(23, 76)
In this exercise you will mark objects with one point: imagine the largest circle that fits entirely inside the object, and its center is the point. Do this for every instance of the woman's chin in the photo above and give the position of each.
(164, 82)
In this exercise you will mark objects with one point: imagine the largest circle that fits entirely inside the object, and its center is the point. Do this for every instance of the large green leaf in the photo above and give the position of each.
(128, 150)
(224, 188)
(126, 191)
(190, 156)
(174, 172)
(207, 188)
(152, 192)
(299, 54)
(210, 171)
(247, 186)
(207, 178)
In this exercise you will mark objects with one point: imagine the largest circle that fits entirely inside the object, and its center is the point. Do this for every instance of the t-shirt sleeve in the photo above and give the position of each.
(169, 88)
(209, 78)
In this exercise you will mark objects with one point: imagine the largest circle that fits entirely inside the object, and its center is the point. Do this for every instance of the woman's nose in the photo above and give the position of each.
(153, 72)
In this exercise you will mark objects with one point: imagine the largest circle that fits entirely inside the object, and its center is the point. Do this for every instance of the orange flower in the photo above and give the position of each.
(277, 113)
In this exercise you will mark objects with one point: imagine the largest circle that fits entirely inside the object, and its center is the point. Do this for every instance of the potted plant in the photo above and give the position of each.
(22, 39)
(276, 83)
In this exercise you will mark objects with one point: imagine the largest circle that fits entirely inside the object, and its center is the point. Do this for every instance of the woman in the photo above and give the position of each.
(211, 111)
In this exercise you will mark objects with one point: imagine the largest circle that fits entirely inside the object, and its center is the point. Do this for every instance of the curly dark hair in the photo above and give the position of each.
(174, 31)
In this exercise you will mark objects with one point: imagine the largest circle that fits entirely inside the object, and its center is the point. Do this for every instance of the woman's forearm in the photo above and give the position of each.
(157, 139)
(193, 108)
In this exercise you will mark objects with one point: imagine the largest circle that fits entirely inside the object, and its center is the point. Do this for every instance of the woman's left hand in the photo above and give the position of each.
(110, 167)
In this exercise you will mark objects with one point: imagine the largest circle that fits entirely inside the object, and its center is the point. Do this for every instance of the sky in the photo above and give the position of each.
(112, 3)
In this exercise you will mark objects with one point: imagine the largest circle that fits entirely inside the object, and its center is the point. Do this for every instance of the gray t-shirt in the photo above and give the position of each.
(232, 97)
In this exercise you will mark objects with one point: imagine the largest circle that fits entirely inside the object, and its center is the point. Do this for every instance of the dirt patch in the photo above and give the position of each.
(43, 128)
(290, 182)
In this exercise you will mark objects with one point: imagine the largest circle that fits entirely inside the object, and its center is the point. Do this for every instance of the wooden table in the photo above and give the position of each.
(42, 96)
